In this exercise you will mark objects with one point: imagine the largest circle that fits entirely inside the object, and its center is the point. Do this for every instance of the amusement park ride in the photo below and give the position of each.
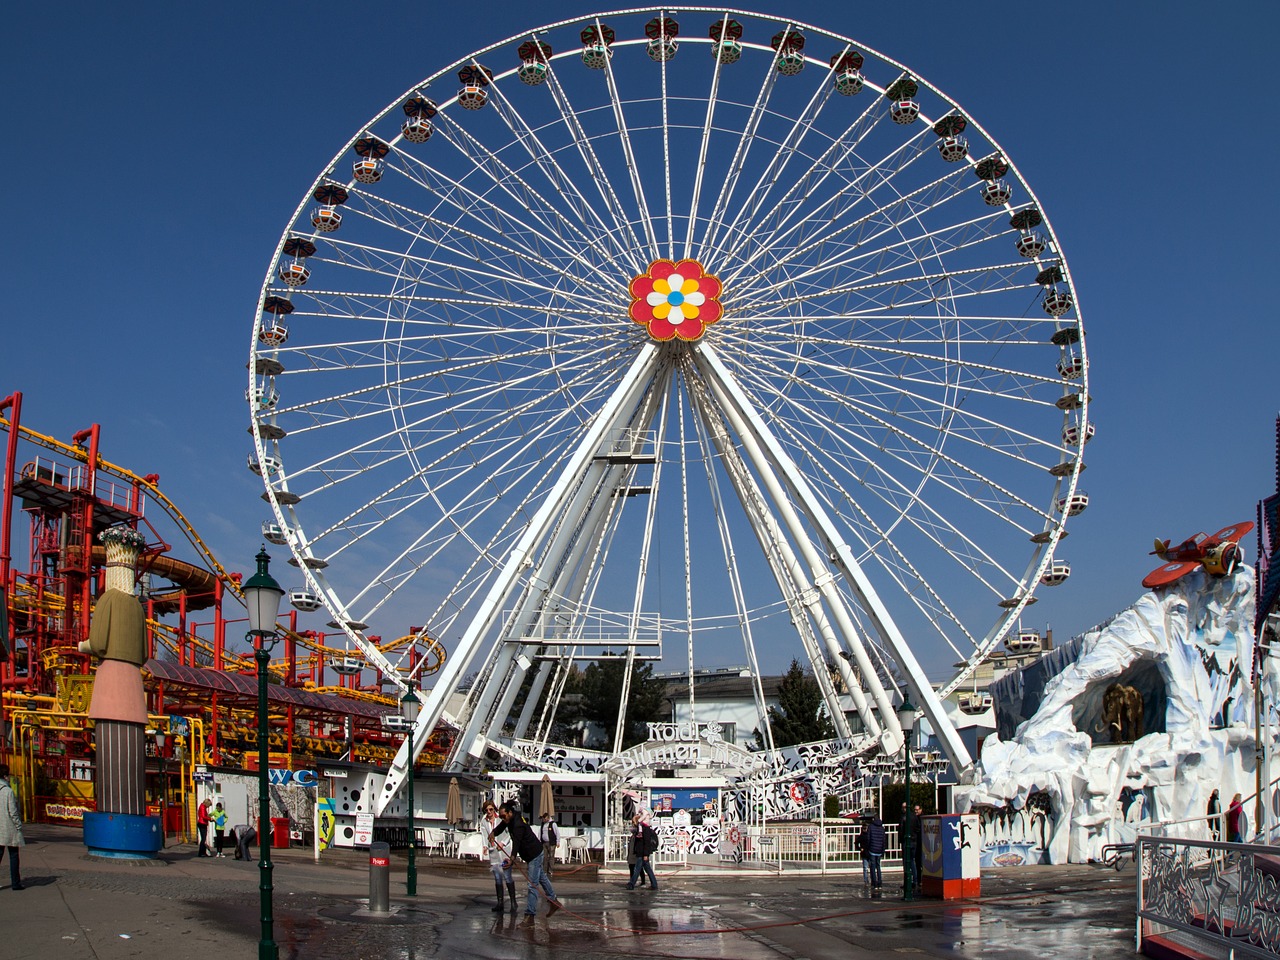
(200, 685)
(1219, 555)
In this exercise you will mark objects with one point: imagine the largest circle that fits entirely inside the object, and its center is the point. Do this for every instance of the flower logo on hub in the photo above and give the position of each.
(675, 300)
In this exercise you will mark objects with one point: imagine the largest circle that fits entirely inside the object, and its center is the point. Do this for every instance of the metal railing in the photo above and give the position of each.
(1211, 895)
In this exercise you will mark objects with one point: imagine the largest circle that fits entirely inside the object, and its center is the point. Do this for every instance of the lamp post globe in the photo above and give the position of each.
(907, 718)
(262, 596)
(409, 707)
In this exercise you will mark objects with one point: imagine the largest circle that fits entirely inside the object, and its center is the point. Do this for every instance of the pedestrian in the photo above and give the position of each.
(875, 847)
(203, 818)
(1235, 816)
(11, 838)
(245, 835)
(219, 827)
(863, 854)
(525, 843)
(917, 844)
(1214, 815)
(549, 836)
(644, 844)
(499, 858)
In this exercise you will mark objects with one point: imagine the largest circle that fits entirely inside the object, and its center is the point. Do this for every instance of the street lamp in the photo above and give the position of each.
(262, 596)
(907, 719)
(409, 706)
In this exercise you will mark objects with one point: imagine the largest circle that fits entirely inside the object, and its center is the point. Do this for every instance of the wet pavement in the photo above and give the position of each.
(77, 907)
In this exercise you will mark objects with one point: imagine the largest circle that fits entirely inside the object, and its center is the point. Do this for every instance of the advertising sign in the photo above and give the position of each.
(364, 829)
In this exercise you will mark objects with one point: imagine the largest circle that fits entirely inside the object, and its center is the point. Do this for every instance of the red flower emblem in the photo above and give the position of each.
(675, 300)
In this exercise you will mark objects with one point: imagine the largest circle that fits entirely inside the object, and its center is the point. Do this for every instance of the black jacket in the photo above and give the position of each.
(524, 840)
(644, 840)
(875, 836)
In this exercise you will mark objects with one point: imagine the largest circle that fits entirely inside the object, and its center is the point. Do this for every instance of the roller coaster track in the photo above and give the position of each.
(82, 455)
(232, 584)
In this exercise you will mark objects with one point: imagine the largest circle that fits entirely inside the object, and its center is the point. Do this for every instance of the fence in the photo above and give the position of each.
(827, 845)
(1210, 896)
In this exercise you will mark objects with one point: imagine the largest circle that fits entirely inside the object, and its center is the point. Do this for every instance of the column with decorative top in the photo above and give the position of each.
(117, 635)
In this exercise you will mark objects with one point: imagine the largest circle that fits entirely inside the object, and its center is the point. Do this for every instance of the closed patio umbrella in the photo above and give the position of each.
(546, 799)
(453, 806)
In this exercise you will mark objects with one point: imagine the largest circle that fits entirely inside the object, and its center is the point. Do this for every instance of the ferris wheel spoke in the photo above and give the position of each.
(603, 240)
(914, 453)
(912, 508)
(706, 244)
(633, 167)
(829, 225)
(704, 143)
(876, 269)
(412, 222)
(626, 236)
(830, 214)
(759, 193)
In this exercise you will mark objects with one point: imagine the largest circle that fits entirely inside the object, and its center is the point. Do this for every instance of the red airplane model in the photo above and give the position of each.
(1219, 554)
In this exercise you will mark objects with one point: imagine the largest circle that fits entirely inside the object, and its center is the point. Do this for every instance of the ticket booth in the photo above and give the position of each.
(949, 867)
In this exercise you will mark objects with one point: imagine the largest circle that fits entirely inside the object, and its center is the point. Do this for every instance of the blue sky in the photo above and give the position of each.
(158, 151)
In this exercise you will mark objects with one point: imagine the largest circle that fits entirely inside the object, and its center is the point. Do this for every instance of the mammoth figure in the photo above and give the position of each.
(1121, 713)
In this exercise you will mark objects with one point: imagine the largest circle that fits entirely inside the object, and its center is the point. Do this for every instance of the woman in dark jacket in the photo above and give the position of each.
(644, 844)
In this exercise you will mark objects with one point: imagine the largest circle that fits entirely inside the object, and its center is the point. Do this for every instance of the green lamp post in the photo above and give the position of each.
(262, 596)
(907, 718)
(409, 707)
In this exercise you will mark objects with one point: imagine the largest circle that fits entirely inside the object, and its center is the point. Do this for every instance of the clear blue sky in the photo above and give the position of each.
(157, 151)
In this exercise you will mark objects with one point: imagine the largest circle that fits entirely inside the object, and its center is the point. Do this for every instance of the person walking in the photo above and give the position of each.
(875, 848)
(1235, 814)
(862, 854)
(1213, 812)
(525, 843)
(203, 818)
(11, 838)
(219, 828)
(499, 858)
(644, 844)
(549, 836)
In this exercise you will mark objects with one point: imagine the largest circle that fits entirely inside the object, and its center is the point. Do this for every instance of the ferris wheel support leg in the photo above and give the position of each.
(842, 556)
(575, 535)
(814, 586)
(623, 398)
(578, 531)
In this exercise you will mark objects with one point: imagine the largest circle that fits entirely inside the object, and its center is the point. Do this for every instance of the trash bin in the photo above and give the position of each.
(280, 832)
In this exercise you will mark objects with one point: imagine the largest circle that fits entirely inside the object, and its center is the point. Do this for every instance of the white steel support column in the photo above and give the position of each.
(622, 399)
(737, 402)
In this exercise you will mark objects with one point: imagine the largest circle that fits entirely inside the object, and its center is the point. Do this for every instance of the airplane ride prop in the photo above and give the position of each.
(1219, 554)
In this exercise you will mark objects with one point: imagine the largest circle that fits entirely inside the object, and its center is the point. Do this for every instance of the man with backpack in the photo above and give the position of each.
(644, 844)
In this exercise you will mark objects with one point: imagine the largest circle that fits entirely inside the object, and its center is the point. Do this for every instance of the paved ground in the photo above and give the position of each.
(78, 908)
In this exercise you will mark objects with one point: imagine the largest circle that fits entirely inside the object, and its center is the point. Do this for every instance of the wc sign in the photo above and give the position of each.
(301, 778)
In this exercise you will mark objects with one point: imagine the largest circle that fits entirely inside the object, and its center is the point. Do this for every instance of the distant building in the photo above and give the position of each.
(725, 695)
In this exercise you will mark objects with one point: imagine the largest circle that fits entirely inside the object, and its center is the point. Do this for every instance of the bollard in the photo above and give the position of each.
(379, 877)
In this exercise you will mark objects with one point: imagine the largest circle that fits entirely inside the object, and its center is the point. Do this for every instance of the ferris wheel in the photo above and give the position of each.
(673, 335)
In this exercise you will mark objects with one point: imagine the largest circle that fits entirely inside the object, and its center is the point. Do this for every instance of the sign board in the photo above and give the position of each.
(364, 830)
(333, 774)
(201, 776)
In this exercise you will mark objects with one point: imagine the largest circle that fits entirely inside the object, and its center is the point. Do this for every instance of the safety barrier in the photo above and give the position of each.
(1209, 896)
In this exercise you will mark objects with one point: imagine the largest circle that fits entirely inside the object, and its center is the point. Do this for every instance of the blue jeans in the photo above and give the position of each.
(538, 878)
(642, 868)
(874, 860)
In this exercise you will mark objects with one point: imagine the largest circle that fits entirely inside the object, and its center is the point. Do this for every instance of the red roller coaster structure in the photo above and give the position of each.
(201, 690)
